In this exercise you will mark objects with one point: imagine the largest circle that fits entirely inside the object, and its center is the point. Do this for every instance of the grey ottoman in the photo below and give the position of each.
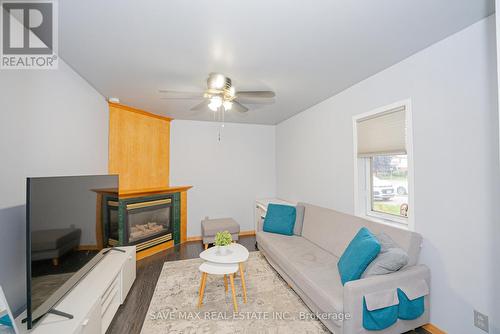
(209, 227)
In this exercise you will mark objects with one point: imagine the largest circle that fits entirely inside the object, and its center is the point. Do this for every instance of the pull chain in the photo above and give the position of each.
(221, 118)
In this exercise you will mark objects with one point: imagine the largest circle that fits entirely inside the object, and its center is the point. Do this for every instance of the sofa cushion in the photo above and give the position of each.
(361, 251)
(311, 268)
(280, 219)
(333, 230)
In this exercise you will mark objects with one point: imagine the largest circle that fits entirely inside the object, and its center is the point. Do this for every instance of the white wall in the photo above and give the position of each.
(496, 230)
(52, 122)
(453, 88)
(228, 175)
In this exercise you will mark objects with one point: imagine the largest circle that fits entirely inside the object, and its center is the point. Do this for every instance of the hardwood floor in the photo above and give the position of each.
(131, 314)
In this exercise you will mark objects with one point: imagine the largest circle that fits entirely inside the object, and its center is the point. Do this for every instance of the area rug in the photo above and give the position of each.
(272, 306)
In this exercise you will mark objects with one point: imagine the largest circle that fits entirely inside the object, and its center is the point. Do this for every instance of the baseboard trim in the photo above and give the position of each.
(241, 234)
(433, 329)
(247, 233)
(196, 238)
(88, 248)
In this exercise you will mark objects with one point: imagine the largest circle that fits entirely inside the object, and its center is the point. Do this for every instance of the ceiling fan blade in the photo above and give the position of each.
(264, 94)
(172, 94)
(238, 107)
(245, 100)
(203, 106)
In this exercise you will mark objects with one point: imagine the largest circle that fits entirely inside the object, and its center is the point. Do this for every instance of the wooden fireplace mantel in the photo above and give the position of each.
(143, 192)
(152, 191)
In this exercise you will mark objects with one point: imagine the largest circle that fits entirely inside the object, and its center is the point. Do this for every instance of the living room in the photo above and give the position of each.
(249, 167)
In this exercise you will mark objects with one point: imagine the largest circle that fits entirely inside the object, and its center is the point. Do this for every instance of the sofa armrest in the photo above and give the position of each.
(260, 224)
(354, 291)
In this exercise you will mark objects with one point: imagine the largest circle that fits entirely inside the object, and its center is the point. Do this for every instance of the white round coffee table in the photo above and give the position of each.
(235, 256)
(213, 268)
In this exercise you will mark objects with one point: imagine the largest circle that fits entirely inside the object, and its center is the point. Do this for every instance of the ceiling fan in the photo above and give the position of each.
(221, 95)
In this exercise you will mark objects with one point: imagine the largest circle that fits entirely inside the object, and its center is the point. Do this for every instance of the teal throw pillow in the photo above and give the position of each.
(362, 250)
(280, 219)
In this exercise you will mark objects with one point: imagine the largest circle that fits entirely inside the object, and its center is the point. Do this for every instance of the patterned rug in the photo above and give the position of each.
(272, 306)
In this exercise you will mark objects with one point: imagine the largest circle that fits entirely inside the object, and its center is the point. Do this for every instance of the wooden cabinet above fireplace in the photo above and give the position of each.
(139, 148)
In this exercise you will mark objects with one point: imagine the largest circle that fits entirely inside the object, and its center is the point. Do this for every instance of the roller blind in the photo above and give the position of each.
(382, 134)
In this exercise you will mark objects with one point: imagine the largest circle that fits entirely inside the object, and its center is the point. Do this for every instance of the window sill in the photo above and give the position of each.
(399, 223)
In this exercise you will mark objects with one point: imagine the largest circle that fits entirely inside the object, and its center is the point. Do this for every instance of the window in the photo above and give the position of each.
(388, 180)
(382, 161)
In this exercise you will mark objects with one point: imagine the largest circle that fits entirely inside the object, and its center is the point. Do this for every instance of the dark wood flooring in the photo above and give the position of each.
(131, 315)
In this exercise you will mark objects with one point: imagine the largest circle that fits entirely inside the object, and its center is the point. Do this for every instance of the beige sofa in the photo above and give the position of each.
(308, 263)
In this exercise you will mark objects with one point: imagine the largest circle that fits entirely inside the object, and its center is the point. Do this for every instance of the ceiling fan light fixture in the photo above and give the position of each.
(215, 103)
(220, 93)
(227, 105)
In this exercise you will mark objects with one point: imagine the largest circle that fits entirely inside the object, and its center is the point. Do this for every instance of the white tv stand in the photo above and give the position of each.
(94, 301)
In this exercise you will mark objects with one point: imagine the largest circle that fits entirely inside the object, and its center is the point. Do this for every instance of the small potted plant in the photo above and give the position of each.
(222, 241)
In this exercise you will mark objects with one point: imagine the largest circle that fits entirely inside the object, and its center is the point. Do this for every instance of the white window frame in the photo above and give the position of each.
(362, 173)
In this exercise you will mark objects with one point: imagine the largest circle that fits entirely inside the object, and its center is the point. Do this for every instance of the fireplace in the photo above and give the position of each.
(143, 221)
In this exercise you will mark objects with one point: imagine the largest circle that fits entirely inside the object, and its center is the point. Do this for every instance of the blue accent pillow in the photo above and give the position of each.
(362, 249)
(280, 219)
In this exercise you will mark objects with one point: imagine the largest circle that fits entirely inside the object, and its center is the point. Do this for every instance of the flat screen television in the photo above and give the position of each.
(61, 237)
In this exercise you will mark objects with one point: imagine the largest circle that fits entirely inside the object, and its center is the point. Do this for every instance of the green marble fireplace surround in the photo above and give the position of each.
(115, 211)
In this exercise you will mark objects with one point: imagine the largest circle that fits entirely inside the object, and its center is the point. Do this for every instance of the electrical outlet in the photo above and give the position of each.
(481, 321)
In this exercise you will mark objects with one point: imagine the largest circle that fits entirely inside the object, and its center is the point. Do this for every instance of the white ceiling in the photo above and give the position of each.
(305, 51)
